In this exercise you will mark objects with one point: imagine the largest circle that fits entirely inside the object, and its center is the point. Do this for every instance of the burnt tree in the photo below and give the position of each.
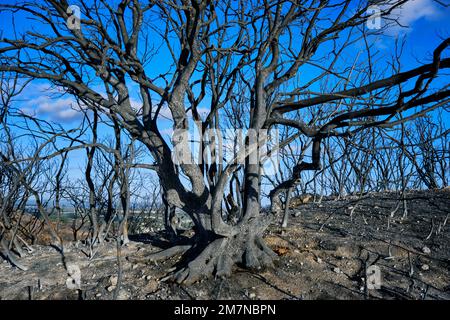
(248, 61)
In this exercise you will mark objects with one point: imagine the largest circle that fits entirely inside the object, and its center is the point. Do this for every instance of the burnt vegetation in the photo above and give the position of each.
(353, 126)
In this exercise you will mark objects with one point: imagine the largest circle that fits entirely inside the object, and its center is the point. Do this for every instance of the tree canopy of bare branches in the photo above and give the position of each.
(258, 65)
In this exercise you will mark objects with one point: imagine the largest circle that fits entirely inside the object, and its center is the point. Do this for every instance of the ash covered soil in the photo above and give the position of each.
(323, 254)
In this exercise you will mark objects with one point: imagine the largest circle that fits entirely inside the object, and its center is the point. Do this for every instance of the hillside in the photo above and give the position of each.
(323, 254)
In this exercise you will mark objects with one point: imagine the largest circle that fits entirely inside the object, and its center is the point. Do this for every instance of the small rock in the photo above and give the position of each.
(98, 295)
(425, 267)
(319, 260)
(113, 281)
(149, 277)
(123, 295)
(328, 245)
(337, 270)
(151, 286)
(111, 288)
(426, 250)
(252, 295)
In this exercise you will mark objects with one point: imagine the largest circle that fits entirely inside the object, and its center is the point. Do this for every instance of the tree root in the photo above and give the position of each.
(219, 257)
(161, 255)
(10, 256)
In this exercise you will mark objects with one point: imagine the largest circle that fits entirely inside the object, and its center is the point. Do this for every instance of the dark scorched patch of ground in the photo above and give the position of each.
(323, 254)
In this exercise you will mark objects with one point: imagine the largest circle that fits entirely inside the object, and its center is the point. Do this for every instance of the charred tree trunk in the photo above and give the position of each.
(92, 196)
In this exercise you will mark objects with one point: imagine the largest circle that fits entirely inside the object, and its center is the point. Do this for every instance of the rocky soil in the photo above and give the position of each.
(323, 254)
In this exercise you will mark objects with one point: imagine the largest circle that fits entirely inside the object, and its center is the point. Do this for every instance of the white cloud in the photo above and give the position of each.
(63, 109)
(46, 101)
(410, 12)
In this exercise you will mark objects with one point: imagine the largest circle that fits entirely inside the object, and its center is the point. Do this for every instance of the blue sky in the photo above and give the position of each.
(425, 22)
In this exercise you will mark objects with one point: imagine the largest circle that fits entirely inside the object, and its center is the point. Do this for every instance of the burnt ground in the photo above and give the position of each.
(323, 254)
